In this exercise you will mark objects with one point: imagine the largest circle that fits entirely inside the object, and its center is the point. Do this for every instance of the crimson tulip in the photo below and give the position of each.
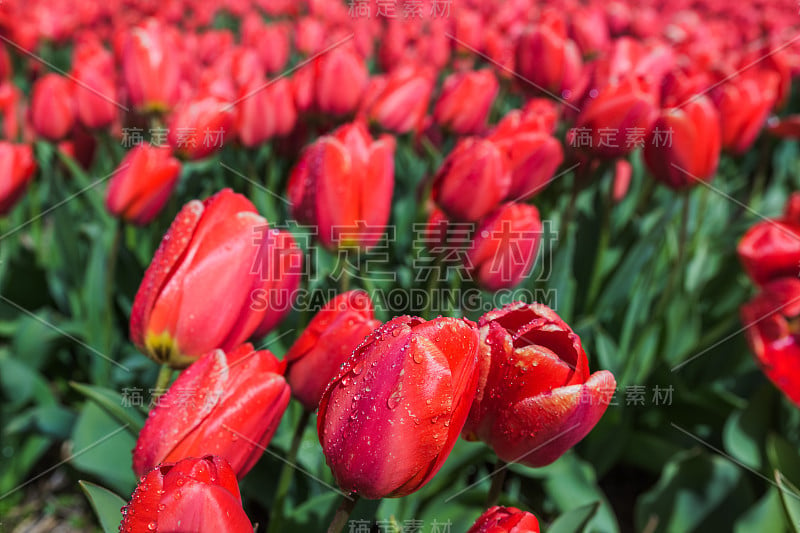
(533, 159)
(744, 104)
(265, 110)
(473, 180)
(95, 91)
(331, 336)
(143, 183)
(16, 168)
(198, 293)
(200, 126)
(466, 99)
(536, 398)
(226, 404)
(151, 66)
(52, 111)
(196, 494)
(771, 249)
(399, 101)
(505, 245)
(281, 270)
(619, 117)
(771, 320)
(343, 184)
(548, 58)
(684, 144)
(505, 520)
(390, 417)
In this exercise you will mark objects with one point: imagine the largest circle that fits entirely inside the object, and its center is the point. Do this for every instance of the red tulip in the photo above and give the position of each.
(151, 66)
(771, 322)
(505, 246)
(334, 332)
(343, 184)
(546, 57)
(623, 172)
(319, 85)
(466, 99)
(389, 419)
(95, 91)
(52, 111)
(271, 41)
(505, 520)
(744, 103)
(17, 167)
(771, 249)
(198, 293)
(143, 183)
(535, 397)
(229, 405)
(684, 144)
(199, 127)
(265, 110)
(785, 127)
(620, 116)
(589, 30)
(400, 100)
(199, 495)
(281, 271)
(533, 155)
(473, 180)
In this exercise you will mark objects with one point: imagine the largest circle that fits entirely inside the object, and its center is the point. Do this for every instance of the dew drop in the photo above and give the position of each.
(358, 368)
(151, 526)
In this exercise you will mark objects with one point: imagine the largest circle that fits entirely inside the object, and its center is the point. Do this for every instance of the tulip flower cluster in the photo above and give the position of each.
(770, 254)
(470, 118)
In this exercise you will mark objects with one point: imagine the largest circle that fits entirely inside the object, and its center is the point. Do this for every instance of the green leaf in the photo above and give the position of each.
(697, 491)
(790, 497)
(21, 384)
(766, 515)
(51, 420)
(745, 430)
(102, 447)
(107, 505)
(574, 521)
(784, 457)
(113, 403)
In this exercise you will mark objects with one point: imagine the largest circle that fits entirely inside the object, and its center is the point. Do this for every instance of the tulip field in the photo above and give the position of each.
(418, 266)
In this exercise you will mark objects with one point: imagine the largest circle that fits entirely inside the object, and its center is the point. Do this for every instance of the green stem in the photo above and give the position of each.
(164, 377)
(344, 281)
(433, 284)
(602, 243)
(498, 479)
(678, 268)
(287, 473)
(343, 513)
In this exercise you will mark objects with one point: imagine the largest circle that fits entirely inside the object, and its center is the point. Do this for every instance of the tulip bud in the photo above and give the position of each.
(339, 68)
(533, 155)
(744, 104)
(400, 100)
(621, 114)
(95, 91)
(505, 246)
(142, 184)
(199, 127)
(17, 167)
(281, 271)
(52, 111)
(151, 67)
(265, 110)
(226, 404)
(199, 495)
(546, 57)
(465, 102)
(535, 396)
(771, 320)
(684, 144)
(389, 419)
(197, 295)
(472, 181)
(343, 184)
(771, 249)
(331, 336)
(505, 520)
